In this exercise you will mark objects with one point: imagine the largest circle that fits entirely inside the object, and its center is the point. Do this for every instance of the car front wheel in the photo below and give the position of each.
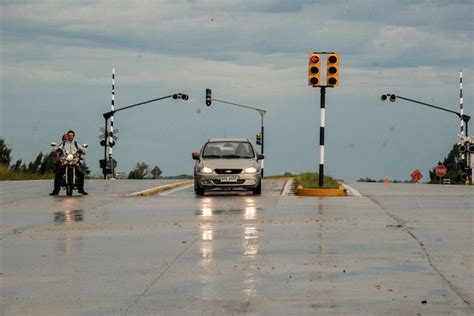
(258, 189)
(198, 189)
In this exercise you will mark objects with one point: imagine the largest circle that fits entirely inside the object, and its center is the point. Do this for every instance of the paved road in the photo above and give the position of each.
(398, 249)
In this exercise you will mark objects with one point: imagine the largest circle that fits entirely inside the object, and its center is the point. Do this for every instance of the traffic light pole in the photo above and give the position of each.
(262, 114)
(108, 115)
(463, 117)
(321, 136)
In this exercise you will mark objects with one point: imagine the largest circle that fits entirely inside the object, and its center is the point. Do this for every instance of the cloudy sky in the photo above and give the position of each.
(57, 59)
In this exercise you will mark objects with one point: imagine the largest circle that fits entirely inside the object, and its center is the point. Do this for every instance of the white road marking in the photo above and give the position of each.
(175, 190)
(287, 187)
(351, 190)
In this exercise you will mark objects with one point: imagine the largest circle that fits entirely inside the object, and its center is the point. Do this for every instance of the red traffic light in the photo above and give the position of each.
(314, 73)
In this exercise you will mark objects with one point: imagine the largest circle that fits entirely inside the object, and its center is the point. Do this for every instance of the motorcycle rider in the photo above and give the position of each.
(69, 146)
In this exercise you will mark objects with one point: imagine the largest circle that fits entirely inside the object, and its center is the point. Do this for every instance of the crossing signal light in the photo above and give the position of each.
(314, 70)
(332, 66)
(208, 97)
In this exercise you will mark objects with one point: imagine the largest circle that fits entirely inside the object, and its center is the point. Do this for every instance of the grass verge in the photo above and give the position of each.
(310, 180)
(7, 174)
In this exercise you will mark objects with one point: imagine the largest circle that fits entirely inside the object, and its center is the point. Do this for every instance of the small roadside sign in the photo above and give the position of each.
(441, 171)
(416, 176)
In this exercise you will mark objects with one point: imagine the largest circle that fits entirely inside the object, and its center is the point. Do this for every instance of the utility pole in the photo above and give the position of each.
(464, 142)
(104, 164)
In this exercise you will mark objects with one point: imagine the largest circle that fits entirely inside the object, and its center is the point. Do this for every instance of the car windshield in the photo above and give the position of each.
(228, 150)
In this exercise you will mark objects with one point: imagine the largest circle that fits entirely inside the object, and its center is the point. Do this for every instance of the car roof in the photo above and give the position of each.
(215, 140)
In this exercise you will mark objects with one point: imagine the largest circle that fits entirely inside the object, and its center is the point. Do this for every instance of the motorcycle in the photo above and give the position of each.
(70, 162)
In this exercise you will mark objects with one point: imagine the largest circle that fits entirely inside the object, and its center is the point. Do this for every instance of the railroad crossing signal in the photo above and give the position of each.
(332, 67)
(314, 70)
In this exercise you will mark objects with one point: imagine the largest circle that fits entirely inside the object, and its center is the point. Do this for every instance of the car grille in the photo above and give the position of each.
(228, 183)
(228, 171)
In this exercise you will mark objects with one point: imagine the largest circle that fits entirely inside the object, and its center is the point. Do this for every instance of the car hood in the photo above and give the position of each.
(229, 163)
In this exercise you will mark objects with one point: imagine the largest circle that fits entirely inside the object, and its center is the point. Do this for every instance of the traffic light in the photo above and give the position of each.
(181, 96)
(332, 66)
(314, 70)
(208, 97)
(259, 139)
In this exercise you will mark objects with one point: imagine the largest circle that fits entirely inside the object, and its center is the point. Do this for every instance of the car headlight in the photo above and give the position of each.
(70, 157)
(250, 170)
(206, 170)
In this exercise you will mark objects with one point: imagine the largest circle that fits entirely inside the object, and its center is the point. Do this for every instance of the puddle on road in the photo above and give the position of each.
(69, 216)
(212, 251)
(208, 208)
(230, 211)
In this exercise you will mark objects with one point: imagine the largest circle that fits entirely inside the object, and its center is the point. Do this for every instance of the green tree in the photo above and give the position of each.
(17, 166)
(5, 152)
(34, 166)
(48, 165)
(140, 171)
(453, 166)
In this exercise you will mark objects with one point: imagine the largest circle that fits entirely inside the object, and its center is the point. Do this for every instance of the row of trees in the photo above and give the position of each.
(44, 163)
(454, 166)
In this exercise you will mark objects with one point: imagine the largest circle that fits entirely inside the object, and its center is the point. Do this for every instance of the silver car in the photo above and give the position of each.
(227, 164)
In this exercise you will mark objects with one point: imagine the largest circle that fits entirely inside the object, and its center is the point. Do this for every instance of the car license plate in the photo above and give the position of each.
(228, 179)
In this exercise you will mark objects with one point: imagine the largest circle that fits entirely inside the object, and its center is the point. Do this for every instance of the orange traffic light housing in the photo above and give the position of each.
(332, 67)
(314, 70)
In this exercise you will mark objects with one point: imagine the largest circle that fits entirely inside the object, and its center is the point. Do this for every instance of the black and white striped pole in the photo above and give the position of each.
(321, 136)
(464, 136)
(111, 141)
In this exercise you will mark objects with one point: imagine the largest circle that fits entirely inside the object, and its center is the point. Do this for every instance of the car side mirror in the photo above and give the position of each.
(260, 157)
(196, 156)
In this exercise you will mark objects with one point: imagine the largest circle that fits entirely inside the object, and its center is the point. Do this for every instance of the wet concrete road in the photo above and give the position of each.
(398, 249)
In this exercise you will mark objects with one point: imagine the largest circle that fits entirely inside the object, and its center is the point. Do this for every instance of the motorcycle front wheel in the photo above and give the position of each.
(70, 181)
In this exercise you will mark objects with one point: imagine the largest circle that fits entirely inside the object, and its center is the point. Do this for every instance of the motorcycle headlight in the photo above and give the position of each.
(70, 157)
(250, 170)
(206, 170)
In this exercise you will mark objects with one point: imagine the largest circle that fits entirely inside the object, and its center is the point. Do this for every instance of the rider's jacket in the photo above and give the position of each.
(71, 148)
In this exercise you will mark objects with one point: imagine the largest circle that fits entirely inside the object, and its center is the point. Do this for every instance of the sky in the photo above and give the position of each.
(56, 74)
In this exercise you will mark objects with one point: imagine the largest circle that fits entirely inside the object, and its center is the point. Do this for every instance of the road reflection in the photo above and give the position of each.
(69, 216)
(214, 255)
(67, 245)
